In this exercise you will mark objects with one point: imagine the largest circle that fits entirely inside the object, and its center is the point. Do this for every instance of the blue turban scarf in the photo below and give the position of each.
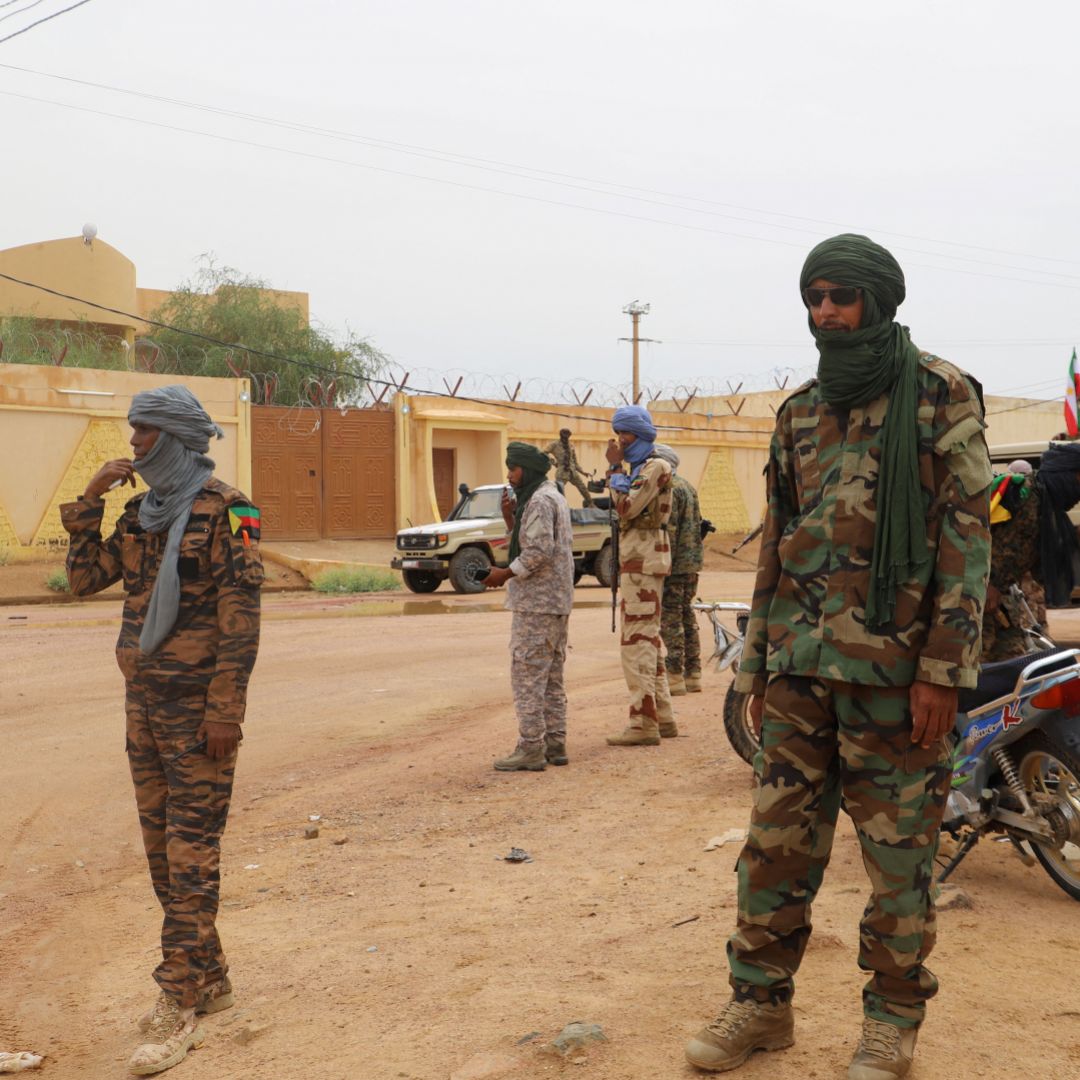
(636, 420)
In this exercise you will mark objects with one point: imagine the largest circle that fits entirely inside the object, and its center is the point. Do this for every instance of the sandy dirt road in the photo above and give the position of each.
(410, 949)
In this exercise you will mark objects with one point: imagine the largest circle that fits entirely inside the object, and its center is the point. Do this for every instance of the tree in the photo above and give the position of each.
(244, 313)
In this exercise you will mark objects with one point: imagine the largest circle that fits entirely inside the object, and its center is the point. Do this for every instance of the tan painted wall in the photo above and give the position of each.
(58, 426)
(96, 272)
(722, 456)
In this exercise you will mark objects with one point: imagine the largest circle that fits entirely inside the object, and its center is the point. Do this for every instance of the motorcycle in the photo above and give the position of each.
(1016, 763)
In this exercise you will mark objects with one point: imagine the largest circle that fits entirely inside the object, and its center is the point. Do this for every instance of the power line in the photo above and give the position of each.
(55, 14)
(12, 14)
(498, 191)
(539, 175)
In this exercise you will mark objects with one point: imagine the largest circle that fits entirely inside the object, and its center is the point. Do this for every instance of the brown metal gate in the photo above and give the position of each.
(318, 474)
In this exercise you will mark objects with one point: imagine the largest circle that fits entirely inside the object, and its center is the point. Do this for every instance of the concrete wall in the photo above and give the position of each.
(58, 426)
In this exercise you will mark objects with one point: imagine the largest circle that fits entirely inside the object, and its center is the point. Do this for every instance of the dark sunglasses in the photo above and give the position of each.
(840, 295)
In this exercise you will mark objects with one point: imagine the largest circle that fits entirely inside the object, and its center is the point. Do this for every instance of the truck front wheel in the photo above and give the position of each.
(464, 567)
(421, 581)
(604, 566)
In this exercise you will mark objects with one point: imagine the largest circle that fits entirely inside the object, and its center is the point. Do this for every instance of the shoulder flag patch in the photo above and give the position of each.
(244, 519)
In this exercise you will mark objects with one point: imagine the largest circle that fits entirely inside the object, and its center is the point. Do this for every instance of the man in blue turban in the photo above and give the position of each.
(642, 499)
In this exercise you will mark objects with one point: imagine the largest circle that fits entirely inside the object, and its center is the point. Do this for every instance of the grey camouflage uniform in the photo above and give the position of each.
(541, 596)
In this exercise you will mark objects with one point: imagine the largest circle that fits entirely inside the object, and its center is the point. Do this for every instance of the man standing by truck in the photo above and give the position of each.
(567, 469)
(540, 593)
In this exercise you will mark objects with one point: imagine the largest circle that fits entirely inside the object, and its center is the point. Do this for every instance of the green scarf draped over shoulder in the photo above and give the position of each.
(855, 368)
(534, 465)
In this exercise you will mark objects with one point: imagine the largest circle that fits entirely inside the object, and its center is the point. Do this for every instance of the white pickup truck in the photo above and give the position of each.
(474, 538)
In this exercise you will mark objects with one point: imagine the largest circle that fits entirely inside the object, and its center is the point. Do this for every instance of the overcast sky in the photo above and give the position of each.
(741, 133)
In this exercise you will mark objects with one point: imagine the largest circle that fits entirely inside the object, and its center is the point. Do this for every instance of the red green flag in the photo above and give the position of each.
(1071, 425)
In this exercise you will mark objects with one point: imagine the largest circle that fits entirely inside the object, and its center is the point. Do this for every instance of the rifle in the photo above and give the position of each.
(614, 517)
(746, 539)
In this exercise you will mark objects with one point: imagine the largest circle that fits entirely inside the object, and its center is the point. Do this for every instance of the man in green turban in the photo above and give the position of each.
(540, 592)
(866, 619)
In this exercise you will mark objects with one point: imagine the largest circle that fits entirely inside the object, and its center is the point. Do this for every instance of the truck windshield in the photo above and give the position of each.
(481, 504)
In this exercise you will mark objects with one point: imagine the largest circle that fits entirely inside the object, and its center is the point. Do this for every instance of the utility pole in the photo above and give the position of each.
(635, 309)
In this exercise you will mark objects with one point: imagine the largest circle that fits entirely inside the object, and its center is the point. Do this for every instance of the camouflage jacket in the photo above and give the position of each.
(543, 580)
(1014, 548)
(644, 511)
(808, 611)
(212, 647)
(563, 457)
(684, 528)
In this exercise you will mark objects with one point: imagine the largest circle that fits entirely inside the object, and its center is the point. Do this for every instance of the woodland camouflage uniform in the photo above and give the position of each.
(678, 625)
(1014, 560)
(837, 716)
(199, 672)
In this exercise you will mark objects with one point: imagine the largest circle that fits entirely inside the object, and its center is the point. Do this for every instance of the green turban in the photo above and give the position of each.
(856, 367)
(527, 456)
(534, 465)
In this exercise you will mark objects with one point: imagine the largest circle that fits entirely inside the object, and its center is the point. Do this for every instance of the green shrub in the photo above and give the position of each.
(360, 579)
(57, 581)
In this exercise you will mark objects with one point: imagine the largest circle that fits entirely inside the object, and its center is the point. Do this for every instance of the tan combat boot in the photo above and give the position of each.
(523, 759)
(555, 752)
(676, 685)
(669, 731)
(884, 1052)
(171, 1033)
(693, 682)
(635, 736)
(741, 1028)
(212, 999)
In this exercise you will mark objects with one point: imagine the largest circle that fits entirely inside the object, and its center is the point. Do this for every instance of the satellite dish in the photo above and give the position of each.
(89, 231)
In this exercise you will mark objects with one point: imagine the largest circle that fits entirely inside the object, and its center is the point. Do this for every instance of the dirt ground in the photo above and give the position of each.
(411, 950)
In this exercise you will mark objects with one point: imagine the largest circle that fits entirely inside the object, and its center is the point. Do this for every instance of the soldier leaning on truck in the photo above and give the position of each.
(642, 501)
(188, 553)
(540, 592)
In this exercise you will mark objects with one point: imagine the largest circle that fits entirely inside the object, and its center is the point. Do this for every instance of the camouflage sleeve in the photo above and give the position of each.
(1015, 546)
(237, 570)
(780, 508)
(537, 538)
(93, 564)
(653, 478)
(679, 509)
(962, 564)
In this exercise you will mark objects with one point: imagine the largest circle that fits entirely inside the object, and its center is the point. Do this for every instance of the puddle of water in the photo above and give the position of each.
(437, 607)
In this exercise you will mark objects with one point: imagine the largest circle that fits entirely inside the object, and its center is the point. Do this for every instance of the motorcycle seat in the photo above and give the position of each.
(999, 679)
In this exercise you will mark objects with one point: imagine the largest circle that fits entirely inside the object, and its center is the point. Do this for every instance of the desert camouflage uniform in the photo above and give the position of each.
(567, 469)
(837, 718)
(199, 673)
(541, 596)
(644, 562)
(1014, 560)
(678, 626)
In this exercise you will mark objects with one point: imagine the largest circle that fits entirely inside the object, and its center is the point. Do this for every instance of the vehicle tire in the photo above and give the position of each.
(579, 570)
(737, 724)
(421, 581)
(464, 567)
(604, 565)
(1050, 773)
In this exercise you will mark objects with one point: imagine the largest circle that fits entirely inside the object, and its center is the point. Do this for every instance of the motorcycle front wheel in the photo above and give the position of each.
(737, 724)
(1051, 778)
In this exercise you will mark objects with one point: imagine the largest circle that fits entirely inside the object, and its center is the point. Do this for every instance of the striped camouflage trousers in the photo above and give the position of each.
(642, 652)
(183, 801)
(824, 743)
